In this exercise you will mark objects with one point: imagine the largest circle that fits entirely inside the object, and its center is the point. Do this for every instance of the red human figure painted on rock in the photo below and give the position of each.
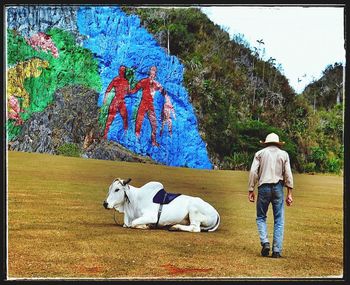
(121, 88)
(149, 86)
(168, 109)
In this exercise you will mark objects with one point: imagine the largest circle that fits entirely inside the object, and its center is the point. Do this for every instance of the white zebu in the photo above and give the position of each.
(184, 213)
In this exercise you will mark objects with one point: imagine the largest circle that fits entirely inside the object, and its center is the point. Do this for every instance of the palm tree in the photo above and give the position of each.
(261, 42)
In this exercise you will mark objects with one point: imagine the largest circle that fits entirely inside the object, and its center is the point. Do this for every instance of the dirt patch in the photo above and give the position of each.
(89, 269)
(177, 270)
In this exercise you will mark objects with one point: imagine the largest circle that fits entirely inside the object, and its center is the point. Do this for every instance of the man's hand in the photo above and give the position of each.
(289, 199)
(251, 196)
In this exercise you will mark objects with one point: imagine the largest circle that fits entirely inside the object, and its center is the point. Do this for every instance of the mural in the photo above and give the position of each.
(14, 110)
(121, 87)
(42, 41)
(149, 86)
(17, 74)
(15, 86)
(102, 48)
(167, 112)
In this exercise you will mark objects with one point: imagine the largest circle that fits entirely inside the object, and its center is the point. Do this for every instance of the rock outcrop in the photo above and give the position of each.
(72, 119)
(113, 39)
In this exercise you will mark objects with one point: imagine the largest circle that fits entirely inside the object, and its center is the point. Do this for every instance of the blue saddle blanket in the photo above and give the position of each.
(163, 197)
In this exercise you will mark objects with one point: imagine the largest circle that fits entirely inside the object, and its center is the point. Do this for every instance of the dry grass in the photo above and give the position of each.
(57, 226)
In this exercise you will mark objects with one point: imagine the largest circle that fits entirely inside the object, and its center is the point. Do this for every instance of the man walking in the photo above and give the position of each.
(271, 171)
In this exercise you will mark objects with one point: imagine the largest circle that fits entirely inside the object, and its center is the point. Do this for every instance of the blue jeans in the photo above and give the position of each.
(271, 193)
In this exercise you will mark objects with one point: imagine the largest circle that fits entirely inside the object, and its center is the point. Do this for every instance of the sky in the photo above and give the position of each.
(303, 40)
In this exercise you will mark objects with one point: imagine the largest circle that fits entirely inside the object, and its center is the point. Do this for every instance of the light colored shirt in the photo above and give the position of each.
(270, 165)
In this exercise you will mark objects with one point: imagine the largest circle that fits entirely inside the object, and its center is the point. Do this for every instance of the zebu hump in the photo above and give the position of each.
(153, 185)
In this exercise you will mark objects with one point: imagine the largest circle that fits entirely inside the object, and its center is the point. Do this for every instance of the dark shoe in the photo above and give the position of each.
(276, 255)
(265, 249)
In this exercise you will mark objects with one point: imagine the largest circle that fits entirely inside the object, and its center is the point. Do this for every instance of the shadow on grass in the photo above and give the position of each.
(99, 225)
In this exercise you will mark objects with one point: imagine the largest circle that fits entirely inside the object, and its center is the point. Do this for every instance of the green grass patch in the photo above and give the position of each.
(69, 149)
(57, 226)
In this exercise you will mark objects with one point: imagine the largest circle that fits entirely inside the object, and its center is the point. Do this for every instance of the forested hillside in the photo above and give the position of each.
(239, 97)
(322, 140)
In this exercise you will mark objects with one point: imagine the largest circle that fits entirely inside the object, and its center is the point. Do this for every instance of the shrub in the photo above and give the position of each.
(250, 132)
(319, 157)
(325, 161)
(310, 167)
(239, 161)
(334, 165)
(69, 149)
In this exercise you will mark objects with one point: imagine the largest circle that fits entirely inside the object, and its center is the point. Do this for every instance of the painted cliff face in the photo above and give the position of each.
(87, 45)
(42, 41)
(17, 75)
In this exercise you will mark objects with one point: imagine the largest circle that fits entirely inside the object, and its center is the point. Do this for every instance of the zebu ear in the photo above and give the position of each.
(126, 181)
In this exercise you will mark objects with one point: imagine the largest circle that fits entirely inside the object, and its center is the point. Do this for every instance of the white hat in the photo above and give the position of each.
(272, 139)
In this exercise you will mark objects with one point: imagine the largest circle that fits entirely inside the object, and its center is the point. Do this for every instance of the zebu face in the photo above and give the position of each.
(116, 193)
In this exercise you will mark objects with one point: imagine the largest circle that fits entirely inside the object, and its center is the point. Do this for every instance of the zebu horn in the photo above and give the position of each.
(127, 181)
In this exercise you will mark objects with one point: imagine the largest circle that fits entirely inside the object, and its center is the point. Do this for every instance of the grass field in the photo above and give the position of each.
(58, 228)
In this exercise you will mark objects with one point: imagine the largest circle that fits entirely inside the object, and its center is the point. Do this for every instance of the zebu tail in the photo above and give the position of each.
(212, 228)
